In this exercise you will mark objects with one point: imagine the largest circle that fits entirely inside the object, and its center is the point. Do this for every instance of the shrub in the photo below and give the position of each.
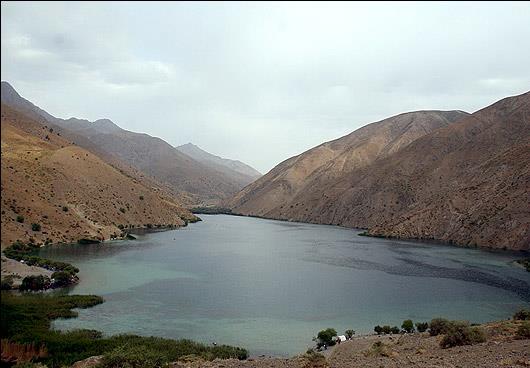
(422, 326)
(460, 333)
(6, 283)
(386, 329)
(61, 278)
(122, 210)
(349, 333)
(523, 332)
(34, 283)
(439, 326)
(378, 330)
(395, 330)
(35, 227)
(20, 218)
(141, 197)
(65, 209)
(326, 336)
(522, 315)
(408, 325)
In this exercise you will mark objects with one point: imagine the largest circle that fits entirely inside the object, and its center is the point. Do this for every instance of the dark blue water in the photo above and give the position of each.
(270, 286)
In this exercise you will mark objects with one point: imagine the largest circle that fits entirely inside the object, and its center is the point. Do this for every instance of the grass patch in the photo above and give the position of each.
(25, 326)
(525, 263)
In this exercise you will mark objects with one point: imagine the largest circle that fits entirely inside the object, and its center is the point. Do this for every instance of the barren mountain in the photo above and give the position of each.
(189, 179)
(68, 192)
(237, 169)
(466, 182)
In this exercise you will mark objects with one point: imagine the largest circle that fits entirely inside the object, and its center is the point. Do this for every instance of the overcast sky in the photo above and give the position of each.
(262, 82)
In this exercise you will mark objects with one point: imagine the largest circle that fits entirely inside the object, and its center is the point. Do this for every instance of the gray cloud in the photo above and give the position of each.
(262, 82)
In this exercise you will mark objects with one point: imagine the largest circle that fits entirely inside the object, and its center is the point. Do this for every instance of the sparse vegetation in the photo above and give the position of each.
(523, 331)
(65, 209)
(211, 210)
(349, 333)
(20, 218)
(35, 227)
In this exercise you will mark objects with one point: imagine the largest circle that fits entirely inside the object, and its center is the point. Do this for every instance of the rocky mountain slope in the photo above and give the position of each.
(55, 191)
(466, 182)
(192, 181)
(235, 168)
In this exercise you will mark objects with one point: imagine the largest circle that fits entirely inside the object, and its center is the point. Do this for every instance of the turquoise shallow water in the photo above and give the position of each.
(269, 286)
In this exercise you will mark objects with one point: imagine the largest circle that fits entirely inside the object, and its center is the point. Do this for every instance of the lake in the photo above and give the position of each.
(270, 286)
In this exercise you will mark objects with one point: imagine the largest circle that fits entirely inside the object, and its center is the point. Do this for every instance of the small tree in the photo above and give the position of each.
(35, 227)
(349, 333)
(387, 329)
(422, 326)
(20, 218)
(61, 278)
(326, 336)
(39, 282)
(65, 209)
(378, 330)
(408, 326)
(395, 330)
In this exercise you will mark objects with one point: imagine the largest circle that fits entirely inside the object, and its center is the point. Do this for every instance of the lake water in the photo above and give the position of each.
(269, 286)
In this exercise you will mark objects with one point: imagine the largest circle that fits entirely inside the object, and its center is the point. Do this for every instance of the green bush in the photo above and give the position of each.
(20, 218)
(523, 331)
(395, 330)
(378, 330)
(326, 337)
(422, 326)
(61, 278)
(407, 325)
(439, 326)
(349, 333)
(522, 315)
(35, 227)
(460, 333)
(33, 283)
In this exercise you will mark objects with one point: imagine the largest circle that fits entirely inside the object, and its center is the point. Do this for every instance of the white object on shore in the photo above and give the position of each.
(342, 338)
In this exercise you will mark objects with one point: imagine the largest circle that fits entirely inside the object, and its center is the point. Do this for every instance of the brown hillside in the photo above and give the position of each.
(42, 173)
(466, 183)
(193, 182)
(273, 193)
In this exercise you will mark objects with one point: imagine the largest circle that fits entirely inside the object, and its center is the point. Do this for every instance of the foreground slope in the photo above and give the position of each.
(190, 180)
(466, 183)
(68, 191)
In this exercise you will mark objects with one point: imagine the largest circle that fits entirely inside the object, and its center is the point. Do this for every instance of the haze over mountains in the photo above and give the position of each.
(447, 176)
(193, 181)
